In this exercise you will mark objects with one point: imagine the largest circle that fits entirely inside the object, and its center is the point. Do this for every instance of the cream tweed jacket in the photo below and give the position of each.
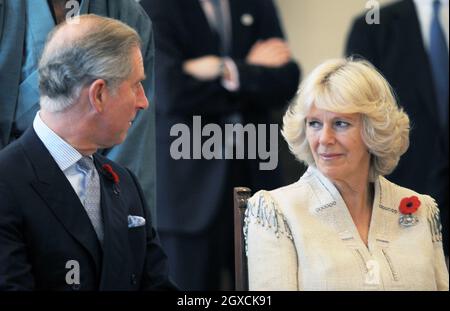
(302, 237)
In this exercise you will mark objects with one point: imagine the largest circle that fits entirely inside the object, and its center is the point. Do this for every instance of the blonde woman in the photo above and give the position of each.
(343, 226)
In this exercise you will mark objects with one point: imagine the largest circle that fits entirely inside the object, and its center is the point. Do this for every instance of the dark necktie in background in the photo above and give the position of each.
(439, 64)
(221, 27)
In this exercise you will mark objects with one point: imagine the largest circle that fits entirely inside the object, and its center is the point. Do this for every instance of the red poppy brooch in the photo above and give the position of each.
(113, 176)
(408, 206)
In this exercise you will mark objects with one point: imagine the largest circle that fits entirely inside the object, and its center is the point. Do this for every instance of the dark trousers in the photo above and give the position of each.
(205, 260)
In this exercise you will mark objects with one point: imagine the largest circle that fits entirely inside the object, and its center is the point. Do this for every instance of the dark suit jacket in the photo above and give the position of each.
(395, 46)
(43, 225)
(190, 192)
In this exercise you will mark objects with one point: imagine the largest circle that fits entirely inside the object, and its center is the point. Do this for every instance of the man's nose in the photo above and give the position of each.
(142, 101)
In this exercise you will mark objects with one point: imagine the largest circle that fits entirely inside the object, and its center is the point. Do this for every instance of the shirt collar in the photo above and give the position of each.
(63, 153)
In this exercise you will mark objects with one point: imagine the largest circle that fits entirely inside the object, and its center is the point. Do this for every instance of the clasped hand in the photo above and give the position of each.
(271, 53)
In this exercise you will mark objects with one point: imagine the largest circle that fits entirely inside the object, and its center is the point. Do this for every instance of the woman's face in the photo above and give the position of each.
(336, 144)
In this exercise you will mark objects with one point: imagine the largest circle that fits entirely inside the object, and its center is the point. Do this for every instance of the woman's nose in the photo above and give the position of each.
(327, 136)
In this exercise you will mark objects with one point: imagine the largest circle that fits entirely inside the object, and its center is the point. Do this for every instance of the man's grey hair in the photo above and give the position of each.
(103, 51)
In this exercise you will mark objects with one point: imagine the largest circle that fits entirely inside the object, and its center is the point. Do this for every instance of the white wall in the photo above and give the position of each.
(317, 29)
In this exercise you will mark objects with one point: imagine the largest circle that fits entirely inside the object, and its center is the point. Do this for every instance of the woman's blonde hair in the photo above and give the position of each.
(351, 86)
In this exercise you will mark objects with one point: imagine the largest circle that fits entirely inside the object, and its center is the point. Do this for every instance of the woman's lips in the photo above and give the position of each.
(329, 156)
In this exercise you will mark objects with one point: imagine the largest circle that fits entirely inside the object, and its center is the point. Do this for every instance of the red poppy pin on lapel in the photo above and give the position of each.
(112, 175)
(408, 206)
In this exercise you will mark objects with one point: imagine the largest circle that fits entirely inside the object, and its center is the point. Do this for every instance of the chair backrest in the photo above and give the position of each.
(241, 196)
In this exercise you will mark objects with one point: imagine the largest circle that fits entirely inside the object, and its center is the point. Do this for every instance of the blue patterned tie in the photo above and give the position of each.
(439, 64)
(92, 195)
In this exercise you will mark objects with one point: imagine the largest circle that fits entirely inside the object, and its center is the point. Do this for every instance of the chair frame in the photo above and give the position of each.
(241, 196)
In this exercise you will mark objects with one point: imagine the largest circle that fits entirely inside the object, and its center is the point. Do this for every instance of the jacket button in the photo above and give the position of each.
(76, 286)
(133, 279)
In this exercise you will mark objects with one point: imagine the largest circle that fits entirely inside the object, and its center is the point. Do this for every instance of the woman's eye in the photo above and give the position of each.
(342, 124)
(314, 124)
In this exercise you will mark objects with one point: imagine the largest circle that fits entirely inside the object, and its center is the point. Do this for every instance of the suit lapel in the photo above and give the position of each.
(115, 246)
(331, 208)
(54, 188)
(385, 212)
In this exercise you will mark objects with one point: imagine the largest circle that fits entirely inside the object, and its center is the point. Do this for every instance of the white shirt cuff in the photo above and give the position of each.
(232, 84)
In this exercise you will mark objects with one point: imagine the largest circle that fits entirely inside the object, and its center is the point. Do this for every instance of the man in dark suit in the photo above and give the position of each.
(402, 46)
(226, 62)
(71, 219)
(24, 26)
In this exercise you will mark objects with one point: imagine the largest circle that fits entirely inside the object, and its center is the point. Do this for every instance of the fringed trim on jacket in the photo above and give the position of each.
(263, 210)
(434, 220)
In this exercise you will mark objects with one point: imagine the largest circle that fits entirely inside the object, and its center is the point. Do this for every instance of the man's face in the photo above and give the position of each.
(123, 105)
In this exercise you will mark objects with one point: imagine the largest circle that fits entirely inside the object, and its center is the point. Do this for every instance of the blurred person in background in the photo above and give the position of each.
(410, 47)
(226, 61)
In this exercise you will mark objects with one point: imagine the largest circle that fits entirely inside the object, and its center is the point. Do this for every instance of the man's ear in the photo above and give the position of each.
(98, 94)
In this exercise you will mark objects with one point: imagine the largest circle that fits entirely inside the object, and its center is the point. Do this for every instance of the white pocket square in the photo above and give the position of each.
(135, 221)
